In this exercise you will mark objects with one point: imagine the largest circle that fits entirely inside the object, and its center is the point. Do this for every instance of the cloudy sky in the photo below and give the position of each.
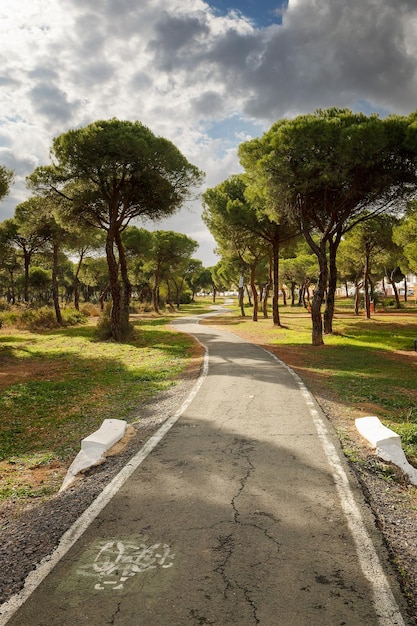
(206, 75)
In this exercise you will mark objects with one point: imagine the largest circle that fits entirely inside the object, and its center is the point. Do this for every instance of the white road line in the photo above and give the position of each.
(385, 605)
(68, 539)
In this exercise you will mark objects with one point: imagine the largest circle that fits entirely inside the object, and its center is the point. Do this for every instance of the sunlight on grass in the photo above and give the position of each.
(75, 382)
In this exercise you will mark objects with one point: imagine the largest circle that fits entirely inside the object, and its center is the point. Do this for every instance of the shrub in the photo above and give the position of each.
(43, 318)
(72, 317)
(103, 329)
(90, 310)
(37, 319)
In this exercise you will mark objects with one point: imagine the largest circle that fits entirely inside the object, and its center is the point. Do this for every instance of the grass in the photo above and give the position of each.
(61, 384)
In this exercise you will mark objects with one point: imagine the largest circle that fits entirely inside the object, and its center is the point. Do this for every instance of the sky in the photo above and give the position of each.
(206, 75)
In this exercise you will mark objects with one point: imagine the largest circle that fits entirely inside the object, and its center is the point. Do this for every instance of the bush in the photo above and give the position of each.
(103, 329)
(38, 319)
(43, 318)
(72, 317)
(4, 306)
(8, 318)
(90, 310)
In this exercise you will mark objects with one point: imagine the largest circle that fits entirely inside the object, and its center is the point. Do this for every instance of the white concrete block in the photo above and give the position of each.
(93, 448)
(109, 433)
(387, 443)
(394, 454)
(376, 433)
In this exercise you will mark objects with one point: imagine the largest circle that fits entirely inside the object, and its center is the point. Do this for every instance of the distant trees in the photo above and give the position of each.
(6, 179)
(108, 174)
(405, 235)
(369, 249)
(238, 220)
(155, 260)
(169, 256)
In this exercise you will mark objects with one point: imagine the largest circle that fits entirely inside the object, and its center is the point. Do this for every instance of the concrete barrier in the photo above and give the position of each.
(387, 444)
(94, 447)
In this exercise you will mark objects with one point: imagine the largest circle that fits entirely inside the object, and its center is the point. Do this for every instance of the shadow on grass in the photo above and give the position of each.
(393, 335)
(55, 411)
(12, 339)
(357, 374)
(58, 397)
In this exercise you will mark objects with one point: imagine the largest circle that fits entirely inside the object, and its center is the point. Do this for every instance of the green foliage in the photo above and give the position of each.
(328, 171)
(107, 174)
(38, 319)
(405, 235)
(6, 179)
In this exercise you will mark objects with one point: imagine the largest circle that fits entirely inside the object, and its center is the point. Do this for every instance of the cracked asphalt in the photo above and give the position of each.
(233, 518)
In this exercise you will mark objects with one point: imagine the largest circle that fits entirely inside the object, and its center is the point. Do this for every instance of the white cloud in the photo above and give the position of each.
(205, 81)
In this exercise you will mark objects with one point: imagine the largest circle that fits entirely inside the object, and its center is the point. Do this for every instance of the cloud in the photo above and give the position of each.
(204, 79)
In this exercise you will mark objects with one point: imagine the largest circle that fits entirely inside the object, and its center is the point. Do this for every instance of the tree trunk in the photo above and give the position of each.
(127, 287)
(76, 288)
(241, 305)
(169, 294)
(395, 290)
(102, 296)
(318, 297)
(293, 287)
(366, 288)
(248, 293)
(305, 294)
(254, 293)
(266, 292)
(396, 295)
(331, 289)
(284, 296)
(357, 298)
(76, 284)
(55, 289)
(26, 258)
(115, 290)
(155, 297)
(275, 283)
(12, 291)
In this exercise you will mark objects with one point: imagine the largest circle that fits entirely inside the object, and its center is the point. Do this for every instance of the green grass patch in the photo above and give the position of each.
(63, 383)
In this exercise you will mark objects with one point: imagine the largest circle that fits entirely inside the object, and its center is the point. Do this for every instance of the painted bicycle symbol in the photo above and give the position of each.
(117, 561)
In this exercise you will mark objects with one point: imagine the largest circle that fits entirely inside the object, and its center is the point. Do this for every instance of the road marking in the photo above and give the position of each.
(386, 606)
(116, 561)
(69, 538)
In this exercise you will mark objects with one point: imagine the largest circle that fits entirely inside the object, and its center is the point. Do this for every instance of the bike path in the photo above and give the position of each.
(244, 513)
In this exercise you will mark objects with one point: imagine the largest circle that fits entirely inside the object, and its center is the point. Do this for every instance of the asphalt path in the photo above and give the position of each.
(240, 511)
